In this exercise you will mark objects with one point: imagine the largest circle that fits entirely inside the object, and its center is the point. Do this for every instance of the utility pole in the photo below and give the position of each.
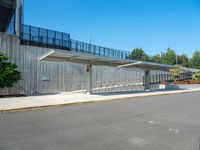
(90, 38)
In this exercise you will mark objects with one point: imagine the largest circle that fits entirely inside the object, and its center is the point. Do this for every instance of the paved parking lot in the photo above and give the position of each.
(170, 122)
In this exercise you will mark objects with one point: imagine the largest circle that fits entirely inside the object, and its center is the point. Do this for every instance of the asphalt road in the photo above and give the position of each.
(170, 122)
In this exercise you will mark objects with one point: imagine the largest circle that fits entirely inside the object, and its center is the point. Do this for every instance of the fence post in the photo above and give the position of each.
(147, 79)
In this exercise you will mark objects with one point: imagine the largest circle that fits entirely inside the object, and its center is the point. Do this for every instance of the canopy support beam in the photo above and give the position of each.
(89, 79)
(147, 79)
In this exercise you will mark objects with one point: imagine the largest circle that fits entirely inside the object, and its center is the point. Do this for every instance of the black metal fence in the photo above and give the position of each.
(35, 36)
(52, 39)
(98, 50)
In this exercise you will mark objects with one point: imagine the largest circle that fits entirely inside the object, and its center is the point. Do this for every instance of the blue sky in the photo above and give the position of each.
(153, 25)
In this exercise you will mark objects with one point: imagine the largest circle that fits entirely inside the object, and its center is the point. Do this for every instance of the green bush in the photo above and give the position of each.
(196, 76)
(9, 75)
(176, 73)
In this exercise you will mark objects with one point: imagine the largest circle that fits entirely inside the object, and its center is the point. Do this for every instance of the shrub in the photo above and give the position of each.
(196, 76)
(9, 74)
(176, 73)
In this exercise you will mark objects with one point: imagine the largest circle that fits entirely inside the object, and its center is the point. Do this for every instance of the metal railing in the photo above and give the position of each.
(157, 79)
(98, 50)
(35, 36)
(41, 37)
(123, 86)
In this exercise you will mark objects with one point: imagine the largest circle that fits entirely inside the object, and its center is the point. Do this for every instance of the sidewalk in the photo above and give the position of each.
(36, 102)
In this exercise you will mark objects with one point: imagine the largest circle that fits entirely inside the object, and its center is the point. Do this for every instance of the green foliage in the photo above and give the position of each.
(183, 60)
(169, 57)
(8, 72)
(196, 59)
(196, 76)
(156, 58)
(176, 73)
(139, 54)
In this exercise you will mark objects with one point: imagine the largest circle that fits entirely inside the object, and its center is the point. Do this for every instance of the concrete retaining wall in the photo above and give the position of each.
(54, 77)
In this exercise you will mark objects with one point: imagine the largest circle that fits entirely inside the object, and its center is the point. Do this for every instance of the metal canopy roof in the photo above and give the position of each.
(83, 58)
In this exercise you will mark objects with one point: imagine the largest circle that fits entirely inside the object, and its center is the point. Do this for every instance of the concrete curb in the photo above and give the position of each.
(95, 101)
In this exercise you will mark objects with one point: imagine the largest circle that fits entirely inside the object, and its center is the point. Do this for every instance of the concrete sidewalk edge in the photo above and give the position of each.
(95, 101)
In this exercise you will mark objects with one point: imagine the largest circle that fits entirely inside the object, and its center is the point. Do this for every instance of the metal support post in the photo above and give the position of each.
(89, 79)
(18, 17)
(147, 79)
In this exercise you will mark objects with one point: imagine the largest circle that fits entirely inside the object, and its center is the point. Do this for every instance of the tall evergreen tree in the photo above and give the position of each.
(156, 58)
(183, 60)
(169, 57)
(196, 59)
(139, 54)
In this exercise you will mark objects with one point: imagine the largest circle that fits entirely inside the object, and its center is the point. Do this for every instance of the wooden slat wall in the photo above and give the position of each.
(63, 76)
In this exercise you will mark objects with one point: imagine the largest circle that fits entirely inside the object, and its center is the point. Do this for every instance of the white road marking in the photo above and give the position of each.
(173, 130)
(151, 122)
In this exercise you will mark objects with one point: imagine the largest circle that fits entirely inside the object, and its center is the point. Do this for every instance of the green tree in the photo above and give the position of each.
(196, 59)
(8, 72)
(176, 73)
(169, 57)
(183, 60)
(156, 58)
(145, 57)
(196, 76)
(139, 54)
(190, 63)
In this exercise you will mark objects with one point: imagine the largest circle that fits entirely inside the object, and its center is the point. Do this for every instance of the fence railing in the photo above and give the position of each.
(98, 50)
(45, 38)
(157, 79)
(52, 39)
